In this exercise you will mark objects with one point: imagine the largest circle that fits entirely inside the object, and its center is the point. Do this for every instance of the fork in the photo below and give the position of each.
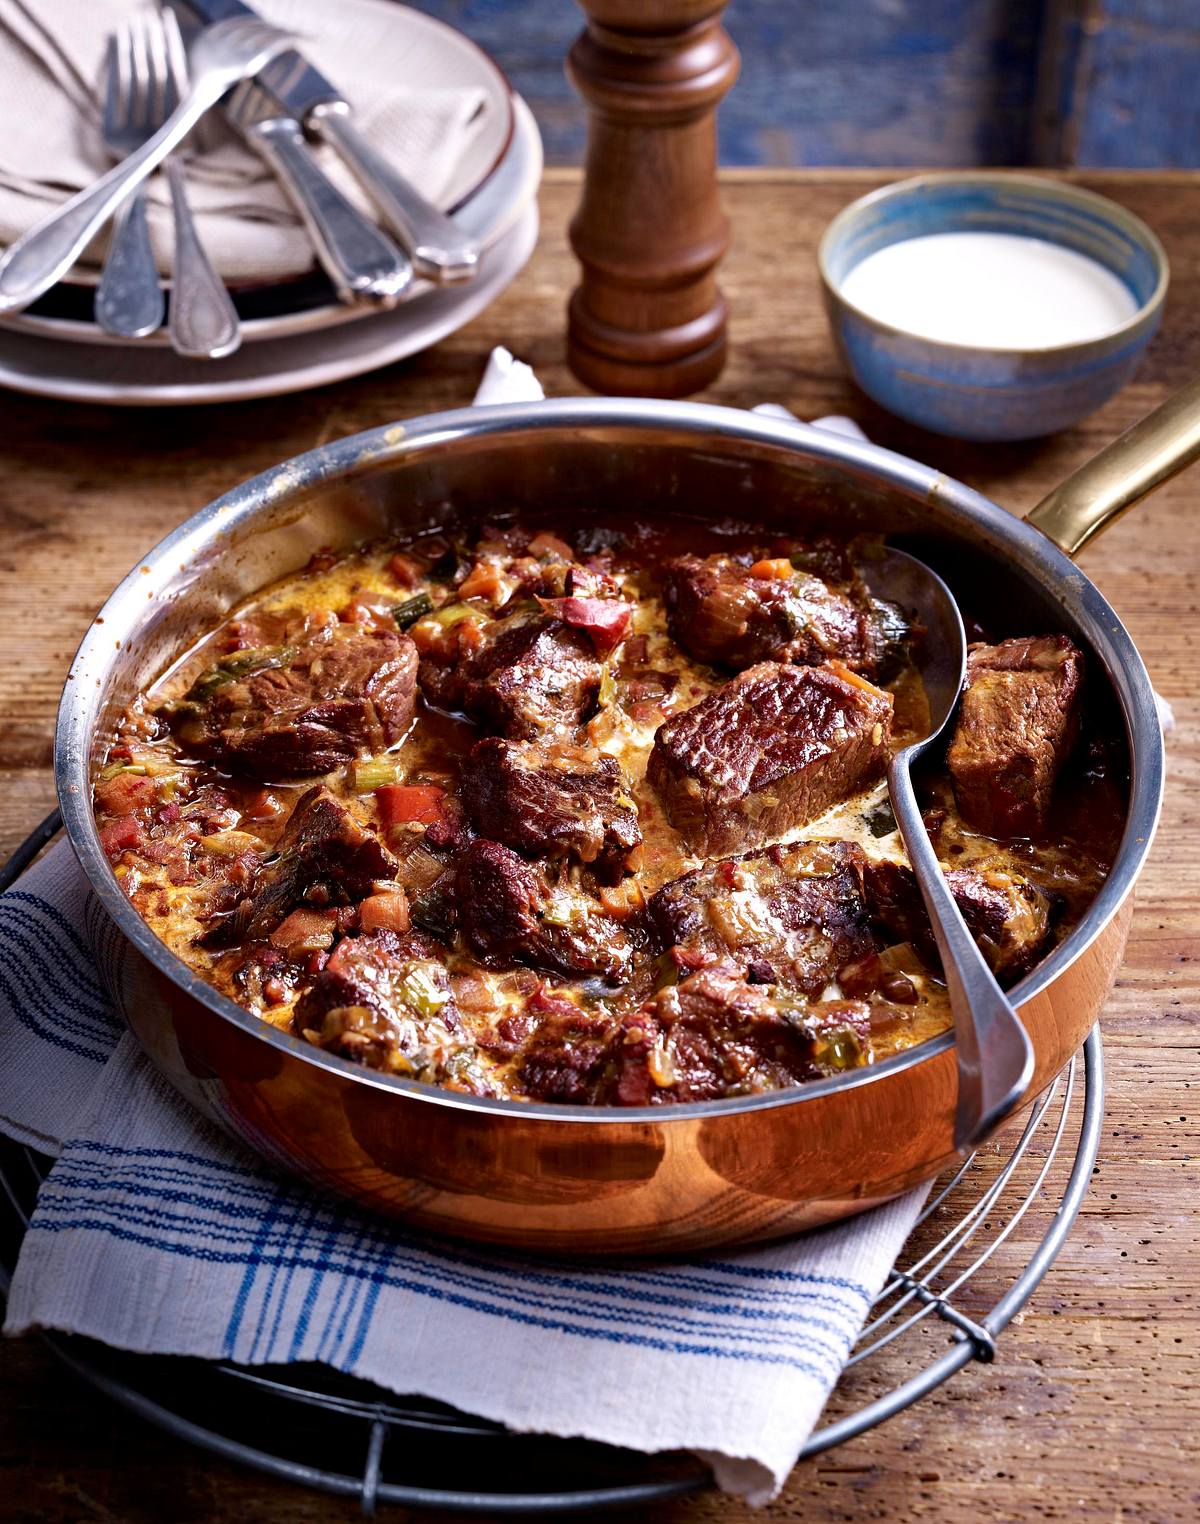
(360, 259)
(223, 54)
(129, 299)
(203, 322)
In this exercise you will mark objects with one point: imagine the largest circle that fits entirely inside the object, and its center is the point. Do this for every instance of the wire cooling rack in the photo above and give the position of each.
(985, 1239)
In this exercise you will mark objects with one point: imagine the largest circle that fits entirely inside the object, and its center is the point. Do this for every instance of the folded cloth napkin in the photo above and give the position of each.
(52, 64)
(154, 1232)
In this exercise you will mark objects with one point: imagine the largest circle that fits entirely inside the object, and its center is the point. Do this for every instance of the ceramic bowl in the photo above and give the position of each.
(983, 393)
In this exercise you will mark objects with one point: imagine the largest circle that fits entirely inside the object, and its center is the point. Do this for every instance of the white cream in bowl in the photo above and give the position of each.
(990, 291)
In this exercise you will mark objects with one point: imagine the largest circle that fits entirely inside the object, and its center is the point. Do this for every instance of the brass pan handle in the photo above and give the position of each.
(1124, 472)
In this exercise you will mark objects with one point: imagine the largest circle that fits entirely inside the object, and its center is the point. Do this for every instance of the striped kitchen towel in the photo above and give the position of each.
(154, 1232)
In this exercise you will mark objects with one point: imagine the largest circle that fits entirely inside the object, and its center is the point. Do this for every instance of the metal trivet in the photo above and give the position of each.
(983, 1242)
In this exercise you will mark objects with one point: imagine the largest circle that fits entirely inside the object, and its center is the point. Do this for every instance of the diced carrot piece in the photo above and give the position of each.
(856, 678)
(304, 930)
(546, 544)
(622, 899)
(406, 803)
(780, 569)
(485, 580)
(402, 571)
(385, 912)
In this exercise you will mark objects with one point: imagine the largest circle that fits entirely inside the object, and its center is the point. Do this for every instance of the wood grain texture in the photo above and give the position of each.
(1091, 1410)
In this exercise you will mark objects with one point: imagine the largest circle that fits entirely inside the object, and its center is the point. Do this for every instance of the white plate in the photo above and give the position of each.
(490, 214)
(487, 193)
(156, 377)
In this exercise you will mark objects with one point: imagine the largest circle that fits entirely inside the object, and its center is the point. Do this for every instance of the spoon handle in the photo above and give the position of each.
(995, 1056)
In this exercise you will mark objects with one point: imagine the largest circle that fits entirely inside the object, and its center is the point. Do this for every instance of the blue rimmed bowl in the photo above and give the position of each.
(991, 393)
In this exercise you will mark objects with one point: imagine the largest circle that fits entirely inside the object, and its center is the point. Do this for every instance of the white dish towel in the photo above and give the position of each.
(153, 1232)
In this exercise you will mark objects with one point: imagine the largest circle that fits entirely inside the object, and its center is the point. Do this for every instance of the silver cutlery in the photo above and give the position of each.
(221, 56)
(129, 299)
(995, 1055)
(440, 250)
(203, 323)
(360, 259)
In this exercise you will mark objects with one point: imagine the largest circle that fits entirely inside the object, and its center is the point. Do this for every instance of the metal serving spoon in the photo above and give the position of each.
(995, 1055)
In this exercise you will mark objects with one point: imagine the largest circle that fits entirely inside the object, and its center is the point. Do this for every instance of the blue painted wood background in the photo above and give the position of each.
(1087, 82)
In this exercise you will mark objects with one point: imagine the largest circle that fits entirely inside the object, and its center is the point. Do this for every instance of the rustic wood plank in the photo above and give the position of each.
(1090, 1411)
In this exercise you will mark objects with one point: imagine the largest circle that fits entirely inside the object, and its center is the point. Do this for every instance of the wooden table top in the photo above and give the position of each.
(1092, 1407)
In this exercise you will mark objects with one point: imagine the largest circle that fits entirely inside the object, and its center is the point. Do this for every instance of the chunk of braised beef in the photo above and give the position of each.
(551, 801)
(716, 1034)
(768, 751)
(728, 614)
(324, 857)
(791, 915)
(563, 1058)
(384, 1001)
(1017, 722)
(525, 676)
(507, 912)
(298, 710)
(1008, 916)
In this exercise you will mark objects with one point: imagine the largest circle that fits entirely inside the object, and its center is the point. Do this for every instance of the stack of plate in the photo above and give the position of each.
(295, 332)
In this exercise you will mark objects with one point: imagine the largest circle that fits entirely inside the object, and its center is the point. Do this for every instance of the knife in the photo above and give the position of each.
(440, 251)
(360, 259)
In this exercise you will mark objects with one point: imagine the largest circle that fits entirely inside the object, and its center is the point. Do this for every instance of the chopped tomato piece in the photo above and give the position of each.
(117, 835)
(546, 544)
(605, 619)
(126, 793)
(780, 569)
(385, 912)
(406, 803)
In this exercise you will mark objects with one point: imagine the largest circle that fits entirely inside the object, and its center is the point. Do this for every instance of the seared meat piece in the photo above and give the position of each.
(507, 913)
(383, 1001)
(1007, 915)
(526, 676)
(792, 915)
(719, 612)
(564, 1057)
(323, 857)
(551, 801)
(297, 711)
(772, 749)
(715, 1034)
(1018, 721)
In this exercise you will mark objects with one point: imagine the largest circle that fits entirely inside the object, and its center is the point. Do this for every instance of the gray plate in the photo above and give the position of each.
(158, 377)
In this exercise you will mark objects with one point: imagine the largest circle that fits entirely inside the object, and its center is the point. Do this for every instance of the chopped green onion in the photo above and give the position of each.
(240, 664)
(115, 769)
(840, 1050)
(412, 609)
(608, 689)
(370, 773)
(455, 613)
(419, 990)
(880, 821)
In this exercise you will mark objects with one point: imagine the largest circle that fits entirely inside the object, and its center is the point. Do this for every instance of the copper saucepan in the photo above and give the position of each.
(611, 1180)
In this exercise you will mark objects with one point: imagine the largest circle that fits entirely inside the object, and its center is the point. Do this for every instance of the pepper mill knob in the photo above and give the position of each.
(648, 318)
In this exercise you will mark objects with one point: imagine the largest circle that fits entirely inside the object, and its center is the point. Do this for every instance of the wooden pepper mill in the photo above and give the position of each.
(648, 318)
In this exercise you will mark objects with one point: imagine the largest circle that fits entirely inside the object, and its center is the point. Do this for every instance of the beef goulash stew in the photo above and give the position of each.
(597, 818)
